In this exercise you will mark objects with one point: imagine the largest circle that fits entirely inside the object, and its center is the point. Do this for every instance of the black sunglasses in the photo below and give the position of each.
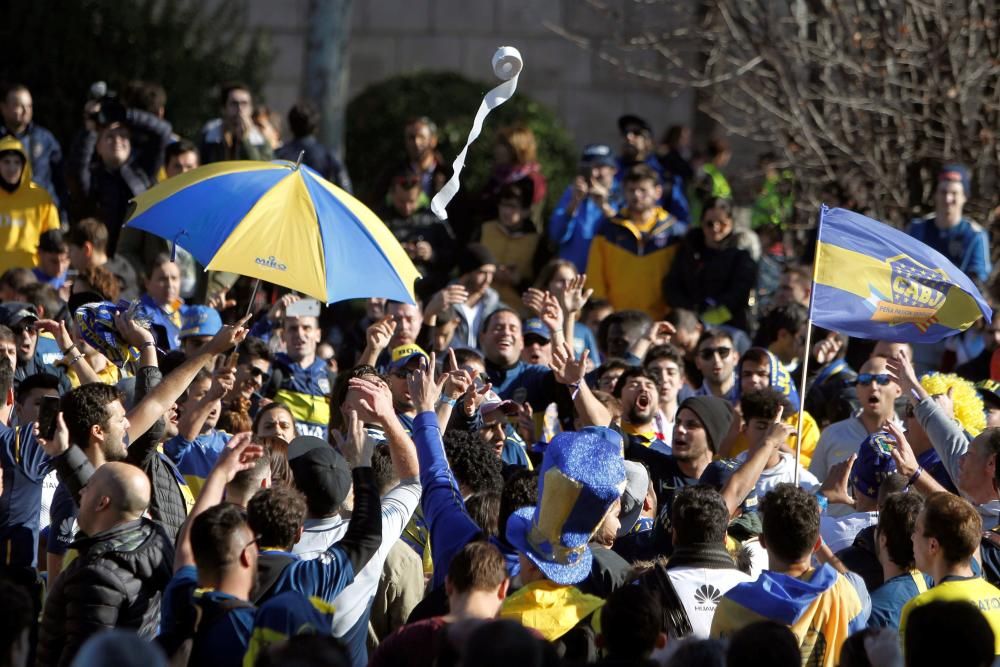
(881, 379)
(710, 352)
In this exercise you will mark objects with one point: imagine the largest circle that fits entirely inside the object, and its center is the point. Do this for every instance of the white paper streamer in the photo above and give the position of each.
(507, 66)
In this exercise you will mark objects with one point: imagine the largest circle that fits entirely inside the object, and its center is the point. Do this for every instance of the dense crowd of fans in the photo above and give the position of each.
(585, 443)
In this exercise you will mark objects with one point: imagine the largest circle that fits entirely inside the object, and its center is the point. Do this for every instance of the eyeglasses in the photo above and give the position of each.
(881, 379)
(24, 328)
(709, 352)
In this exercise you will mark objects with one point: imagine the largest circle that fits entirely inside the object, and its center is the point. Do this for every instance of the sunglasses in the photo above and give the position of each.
(24, 328)
(256, 372)
(867, 378)
(709, 352)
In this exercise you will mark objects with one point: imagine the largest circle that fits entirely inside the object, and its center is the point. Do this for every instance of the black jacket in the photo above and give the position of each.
(116, 582)
(167, 506)
(702, 278)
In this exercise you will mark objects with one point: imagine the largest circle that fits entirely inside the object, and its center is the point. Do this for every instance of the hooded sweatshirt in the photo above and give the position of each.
(822, 609)
(25, 213)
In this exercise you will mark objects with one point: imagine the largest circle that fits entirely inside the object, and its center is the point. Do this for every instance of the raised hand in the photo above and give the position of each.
(574, 297)
(277, 311)
(240, 453)
(566, 368)
(379, 333)
(902, 372)
(902, 453)
(534, 300)
(444, 299)
(660, 333)
(57, 329)
(826, 350)
(59, 442)
(356, 446)
(552, 314)
(836, 486)
(374, 400)
(424, 389)
(229, 336)
(130, 332)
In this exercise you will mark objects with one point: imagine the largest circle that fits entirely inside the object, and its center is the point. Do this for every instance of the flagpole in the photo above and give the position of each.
(808, 347)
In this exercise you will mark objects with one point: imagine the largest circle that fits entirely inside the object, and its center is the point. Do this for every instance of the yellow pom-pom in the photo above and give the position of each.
(969, 409)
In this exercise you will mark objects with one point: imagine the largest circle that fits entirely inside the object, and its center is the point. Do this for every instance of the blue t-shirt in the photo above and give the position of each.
(62, 521)
(196, 458)
(889, 599)
(25, 466)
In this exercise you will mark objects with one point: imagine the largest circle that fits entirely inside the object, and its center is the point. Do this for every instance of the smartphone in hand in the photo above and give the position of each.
(48, 414)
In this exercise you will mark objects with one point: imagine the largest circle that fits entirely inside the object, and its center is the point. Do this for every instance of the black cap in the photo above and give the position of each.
(321, 473)
(474, 256)
(628, 120)
(715, 414)
(13, 312)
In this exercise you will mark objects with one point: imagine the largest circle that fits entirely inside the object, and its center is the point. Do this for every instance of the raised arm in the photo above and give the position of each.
(375, 407)
(364, 531)
(571, 372)
(159, 400)
(239, 454)
(742, 482)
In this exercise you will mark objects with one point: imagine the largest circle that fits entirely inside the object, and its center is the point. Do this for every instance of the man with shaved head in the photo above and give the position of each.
(124, 562)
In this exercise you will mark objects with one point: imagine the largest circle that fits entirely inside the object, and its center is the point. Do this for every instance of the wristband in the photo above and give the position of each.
(914, 477)
(452, 402)
(576, 389)
(148, 343)
(75, 359)
(71, 347)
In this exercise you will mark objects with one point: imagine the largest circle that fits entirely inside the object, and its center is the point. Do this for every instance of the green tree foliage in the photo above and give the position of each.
(189, 47)
(376, 117)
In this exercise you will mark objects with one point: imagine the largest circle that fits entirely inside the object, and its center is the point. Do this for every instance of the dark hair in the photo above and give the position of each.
(464, 355)
(641, 172)
(44, 296)
(474, 465)
(788, 316)
(763, 404)
(520, 489)
(385, 473)
(711, 335)
(45, 381)
(178, 148)
(213, 534)
(631, 621)
(303, 119)
(101, 281)
(683, 319)
(253, 348)
(632, 372)
(612, 364)
(699, 515)
(489, 318)
(479, 566)
(18, 615)
(716, 147)
(700, 653)
(85, 407)
(724, 204)
(546, 272)
(668, 352)
(896, 519)
(276, 515)
(305, 650)
(763, 643)
(893, 483)
(627, 319)
(229, 87)
(969, 638)
(158, 261)
(144, 95)
(502, 643)
(6, 376)
(18, 278)
(954, 523)
(89, 230)
(518, 192)
(267, 408)
(339, 393)
(484, 508)
(791, 521)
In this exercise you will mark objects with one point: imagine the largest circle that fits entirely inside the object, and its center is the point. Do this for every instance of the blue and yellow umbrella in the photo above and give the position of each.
(281, 223)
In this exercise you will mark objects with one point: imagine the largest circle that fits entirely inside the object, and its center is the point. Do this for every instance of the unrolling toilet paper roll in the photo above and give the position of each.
(507, 65)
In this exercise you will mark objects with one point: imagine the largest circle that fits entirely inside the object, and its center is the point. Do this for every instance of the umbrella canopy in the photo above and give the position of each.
(281, 223)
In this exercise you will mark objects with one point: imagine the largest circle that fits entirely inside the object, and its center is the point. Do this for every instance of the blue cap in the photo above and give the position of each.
(534, 327)
(597, 155)
(874, 463)
(955, 173)
(200, 321)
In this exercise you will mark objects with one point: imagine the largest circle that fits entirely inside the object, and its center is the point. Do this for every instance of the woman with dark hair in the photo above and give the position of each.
(274, 419)
(713, 274)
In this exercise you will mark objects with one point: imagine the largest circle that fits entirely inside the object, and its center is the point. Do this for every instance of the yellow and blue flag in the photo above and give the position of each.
(873, 281)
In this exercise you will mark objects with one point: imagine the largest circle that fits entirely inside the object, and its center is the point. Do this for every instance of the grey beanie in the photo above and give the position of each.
(716, 416)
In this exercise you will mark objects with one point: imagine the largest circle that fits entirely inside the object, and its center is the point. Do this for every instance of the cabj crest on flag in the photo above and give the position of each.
(873, 281)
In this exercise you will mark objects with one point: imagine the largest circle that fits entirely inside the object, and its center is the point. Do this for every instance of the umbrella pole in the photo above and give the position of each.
(253, 296)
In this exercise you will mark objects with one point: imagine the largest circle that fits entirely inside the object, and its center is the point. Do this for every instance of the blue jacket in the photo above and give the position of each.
(24, 465)
(447, 519)
(523, 382)
(306, 392)
(966, 245)
(166, 328)
(573, 233)
(196, 458)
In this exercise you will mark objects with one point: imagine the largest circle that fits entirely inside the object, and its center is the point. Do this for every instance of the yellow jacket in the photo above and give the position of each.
(627, 262)
(25, 214)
